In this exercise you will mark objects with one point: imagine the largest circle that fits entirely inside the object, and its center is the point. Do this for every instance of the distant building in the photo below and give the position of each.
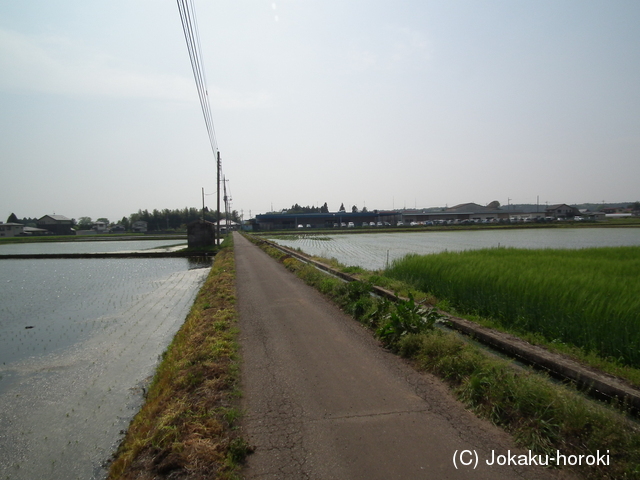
(224, 223)
(464, 211)
(589, 215)
(32, 231)
(562, 210)
(11, 229)
(100, 227)
(139, 226)
(292, 221)
(56, 224)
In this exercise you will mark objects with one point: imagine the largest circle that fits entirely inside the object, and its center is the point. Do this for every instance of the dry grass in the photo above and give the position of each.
(186, 427)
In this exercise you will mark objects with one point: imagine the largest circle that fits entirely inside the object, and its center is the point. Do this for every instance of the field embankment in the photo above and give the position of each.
(186, 426)
(589, 298)
(543, 416)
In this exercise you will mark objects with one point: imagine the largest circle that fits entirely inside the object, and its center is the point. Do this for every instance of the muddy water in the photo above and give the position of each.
(72, 383)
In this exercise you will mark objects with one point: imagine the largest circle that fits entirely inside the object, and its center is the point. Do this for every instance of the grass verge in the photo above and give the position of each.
(543, 416)
(613, 365)
(186, 428)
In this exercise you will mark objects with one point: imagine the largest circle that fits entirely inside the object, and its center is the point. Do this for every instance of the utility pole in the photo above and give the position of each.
(226, 203)
(218, 213)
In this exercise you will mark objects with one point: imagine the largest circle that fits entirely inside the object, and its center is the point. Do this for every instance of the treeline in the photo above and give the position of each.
(298, 209)
(157, 220)
(166, 219)
(26, 221)
(323, 209)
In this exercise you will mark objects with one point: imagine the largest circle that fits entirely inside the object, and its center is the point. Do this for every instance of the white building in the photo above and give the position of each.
(100, 227)
(11, 229)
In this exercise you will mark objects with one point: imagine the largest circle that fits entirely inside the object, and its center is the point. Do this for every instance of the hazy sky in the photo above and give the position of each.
(384, 104)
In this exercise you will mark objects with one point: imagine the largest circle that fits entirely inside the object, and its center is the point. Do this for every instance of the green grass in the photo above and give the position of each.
(589, 298)
(542, 416)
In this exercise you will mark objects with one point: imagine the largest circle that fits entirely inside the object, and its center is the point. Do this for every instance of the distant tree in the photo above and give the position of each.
(635, 207)
(125, 223)
(324, 208)
(341, 207)
(494, 204)
(84, 223)
(364, 210)
(12, 218)
(300, 209)
(145, 216)
(102, 219)
(235, 216)
(354, 209)
(33, 222)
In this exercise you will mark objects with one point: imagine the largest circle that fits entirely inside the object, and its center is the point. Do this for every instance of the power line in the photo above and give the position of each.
(192, 38)
(190, 28)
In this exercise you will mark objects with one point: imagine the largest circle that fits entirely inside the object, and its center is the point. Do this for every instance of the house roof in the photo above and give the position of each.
(559, 205)
(471, 208)
(331, 216)
(57, 217)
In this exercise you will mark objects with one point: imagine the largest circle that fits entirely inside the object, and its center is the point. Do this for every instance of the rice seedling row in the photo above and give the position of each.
(587, 297)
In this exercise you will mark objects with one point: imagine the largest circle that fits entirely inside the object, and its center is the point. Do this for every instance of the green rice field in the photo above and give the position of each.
(588, 297)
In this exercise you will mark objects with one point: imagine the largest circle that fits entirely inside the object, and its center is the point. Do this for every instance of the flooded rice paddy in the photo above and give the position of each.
(79, 341)
(90, 246)
(374, 251)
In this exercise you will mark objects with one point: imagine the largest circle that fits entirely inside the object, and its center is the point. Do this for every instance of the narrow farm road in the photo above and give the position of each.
(324, 401)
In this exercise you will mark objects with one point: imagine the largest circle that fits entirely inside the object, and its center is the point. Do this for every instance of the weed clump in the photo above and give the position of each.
(406, 318)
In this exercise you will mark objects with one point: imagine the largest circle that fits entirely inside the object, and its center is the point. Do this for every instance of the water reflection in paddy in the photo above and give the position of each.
(71, 383)
(88, 246)
(372, 250)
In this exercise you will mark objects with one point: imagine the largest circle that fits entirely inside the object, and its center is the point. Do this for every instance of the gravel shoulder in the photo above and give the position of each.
(323, 400)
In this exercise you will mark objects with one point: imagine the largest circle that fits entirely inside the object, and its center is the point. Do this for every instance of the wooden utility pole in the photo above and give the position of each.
(218, 214)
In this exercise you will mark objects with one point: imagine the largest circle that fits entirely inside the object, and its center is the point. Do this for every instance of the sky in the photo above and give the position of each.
(412, 103)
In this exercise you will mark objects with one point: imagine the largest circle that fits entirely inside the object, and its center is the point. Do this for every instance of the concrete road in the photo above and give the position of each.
(323, 400)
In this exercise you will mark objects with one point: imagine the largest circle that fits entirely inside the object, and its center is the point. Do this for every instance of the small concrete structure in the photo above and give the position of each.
(201, 234)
